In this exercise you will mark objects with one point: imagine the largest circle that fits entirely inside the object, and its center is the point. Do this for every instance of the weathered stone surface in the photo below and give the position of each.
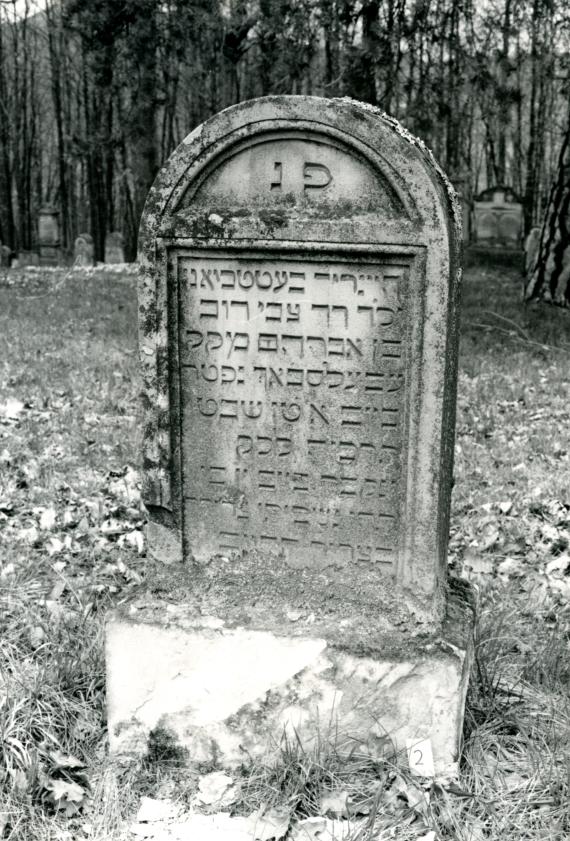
(222, 693)
(290, 253)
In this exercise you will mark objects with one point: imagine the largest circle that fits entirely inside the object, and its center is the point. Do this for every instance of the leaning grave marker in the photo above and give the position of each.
(298, 332)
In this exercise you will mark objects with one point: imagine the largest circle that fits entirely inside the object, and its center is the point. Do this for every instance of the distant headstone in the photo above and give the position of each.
(498, 216)
(27, 258)
(5, 256)
(298, 335)
(83, 250)
(114, 250)
(49, 244)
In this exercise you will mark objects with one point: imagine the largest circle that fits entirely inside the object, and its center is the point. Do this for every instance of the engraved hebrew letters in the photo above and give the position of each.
(292, 381)
(297, 177)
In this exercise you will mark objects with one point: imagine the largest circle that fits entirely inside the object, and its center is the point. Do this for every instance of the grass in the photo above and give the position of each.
(68, 351)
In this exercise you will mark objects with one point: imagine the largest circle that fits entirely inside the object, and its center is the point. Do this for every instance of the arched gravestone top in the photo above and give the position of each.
(299, 268)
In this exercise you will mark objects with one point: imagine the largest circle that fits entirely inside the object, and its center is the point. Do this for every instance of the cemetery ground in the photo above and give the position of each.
(71, 546)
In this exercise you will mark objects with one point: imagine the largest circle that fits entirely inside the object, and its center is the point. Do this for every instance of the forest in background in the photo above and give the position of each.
(96, 94)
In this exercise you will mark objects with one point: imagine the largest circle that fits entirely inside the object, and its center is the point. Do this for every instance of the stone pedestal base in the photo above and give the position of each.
(227, 695)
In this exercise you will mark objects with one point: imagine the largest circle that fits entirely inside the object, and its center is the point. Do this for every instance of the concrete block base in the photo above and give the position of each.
(225, 696)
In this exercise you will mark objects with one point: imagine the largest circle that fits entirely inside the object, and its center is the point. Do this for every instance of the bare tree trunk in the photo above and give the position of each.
(549, 277)
(55, 53)
(7, 227)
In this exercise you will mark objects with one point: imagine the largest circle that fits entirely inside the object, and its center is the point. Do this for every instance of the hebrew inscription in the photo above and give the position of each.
(293, 384)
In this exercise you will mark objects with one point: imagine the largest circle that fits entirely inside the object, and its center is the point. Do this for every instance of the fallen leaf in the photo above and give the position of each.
(47, 519)
(65, 761)
(66, 796)
(489, 537)
(326, 829)
(549, 532)
(335, 803)
(12, 408)
(151, 810)
(271, 824)
(55, 611)
(29, 535)
(216, 787)
(475, 564)
(54, 546)
(558, 565)
(510, 567)
(514, 781)
(36, 636)
(113, 526)
(83, 525)
(136, 538)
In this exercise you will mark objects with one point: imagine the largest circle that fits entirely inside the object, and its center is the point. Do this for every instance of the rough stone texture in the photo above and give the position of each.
(298, 296)
(224, 694)
(498, 216)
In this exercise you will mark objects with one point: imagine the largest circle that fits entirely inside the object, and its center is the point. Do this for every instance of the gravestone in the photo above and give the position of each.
(114, 250)
(298, 335)
(5, 256)
(498, 216)
(49, 244)
(83, 250)
(26, 258)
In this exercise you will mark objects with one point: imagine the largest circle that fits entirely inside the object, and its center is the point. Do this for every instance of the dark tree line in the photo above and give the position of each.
(95, 94)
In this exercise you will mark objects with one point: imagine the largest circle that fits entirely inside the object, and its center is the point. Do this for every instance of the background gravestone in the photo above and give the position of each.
(114, 250)
(49, 237)
(498, 214)
(298, 306)
(83, 250)
(5, 256)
